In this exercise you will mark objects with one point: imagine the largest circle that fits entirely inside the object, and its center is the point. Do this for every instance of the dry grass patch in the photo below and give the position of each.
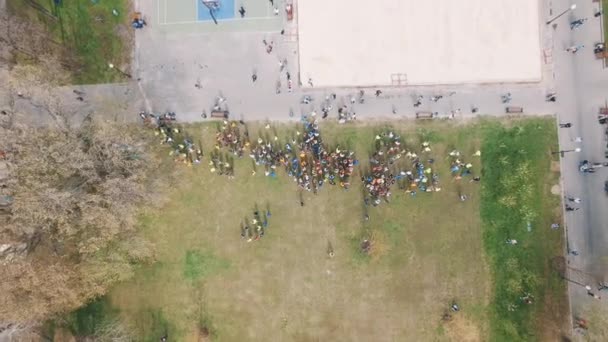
(426, 251)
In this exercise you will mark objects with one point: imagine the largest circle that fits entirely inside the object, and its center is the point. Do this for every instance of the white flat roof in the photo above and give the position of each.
(368, 43)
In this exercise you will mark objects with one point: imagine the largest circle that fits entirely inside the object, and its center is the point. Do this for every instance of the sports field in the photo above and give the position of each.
(175, 12)
(363, 43)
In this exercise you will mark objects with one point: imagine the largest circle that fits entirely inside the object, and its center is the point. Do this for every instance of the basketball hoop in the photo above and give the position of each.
(212, 5)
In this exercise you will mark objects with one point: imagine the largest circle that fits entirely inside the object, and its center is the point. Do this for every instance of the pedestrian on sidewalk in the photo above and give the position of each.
(577, 23)
(565, 125)
(574, 48)
(242, 11)
(569, 208)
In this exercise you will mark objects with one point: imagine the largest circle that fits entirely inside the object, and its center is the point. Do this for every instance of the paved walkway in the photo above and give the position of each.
(172, 59)
(582, 83)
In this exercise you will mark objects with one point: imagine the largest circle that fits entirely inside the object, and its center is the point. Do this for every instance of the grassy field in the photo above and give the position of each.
(89, 30)
(429, 250)
(285, 287)
(517, 204)
(605, 17)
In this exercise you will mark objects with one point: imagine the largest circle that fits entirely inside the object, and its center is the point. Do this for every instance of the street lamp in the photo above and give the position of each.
(112, 66)
(562, 152)
(564, 12)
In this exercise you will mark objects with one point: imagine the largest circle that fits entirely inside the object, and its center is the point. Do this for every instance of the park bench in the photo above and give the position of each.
(424, 115)
(289, 11)
(223, 114)
(512, 109)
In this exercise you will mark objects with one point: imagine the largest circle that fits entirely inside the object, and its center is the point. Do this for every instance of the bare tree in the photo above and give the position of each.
(113, 331)
(16, 332)
(29, 39)
(77, 192)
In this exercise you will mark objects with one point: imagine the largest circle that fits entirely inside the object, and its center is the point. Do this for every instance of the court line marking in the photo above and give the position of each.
(196, 7)
(158, 11)
(219, 21)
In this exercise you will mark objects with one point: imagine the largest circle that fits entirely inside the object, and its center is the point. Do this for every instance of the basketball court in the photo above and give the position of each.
(418, 42)
(175, 12)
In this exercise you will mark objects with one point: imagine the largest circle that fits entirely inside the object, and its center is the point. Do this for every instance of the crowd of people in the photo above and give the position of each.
(392, 163)
(221, 163)
(229, 136)
(459, 168)
(182, 148)
(305, 158)
(254, 229)
(310, 162)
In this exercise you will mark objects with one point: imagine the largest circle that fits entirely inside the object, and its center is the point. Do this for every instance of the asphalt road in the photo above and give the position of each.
(582, 86)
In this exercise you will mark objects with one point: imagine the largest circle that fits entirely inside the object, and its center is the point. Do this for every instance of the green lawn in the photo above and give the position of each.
(517, 204)
(89, 31)
(605, 18)
(428, 250)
